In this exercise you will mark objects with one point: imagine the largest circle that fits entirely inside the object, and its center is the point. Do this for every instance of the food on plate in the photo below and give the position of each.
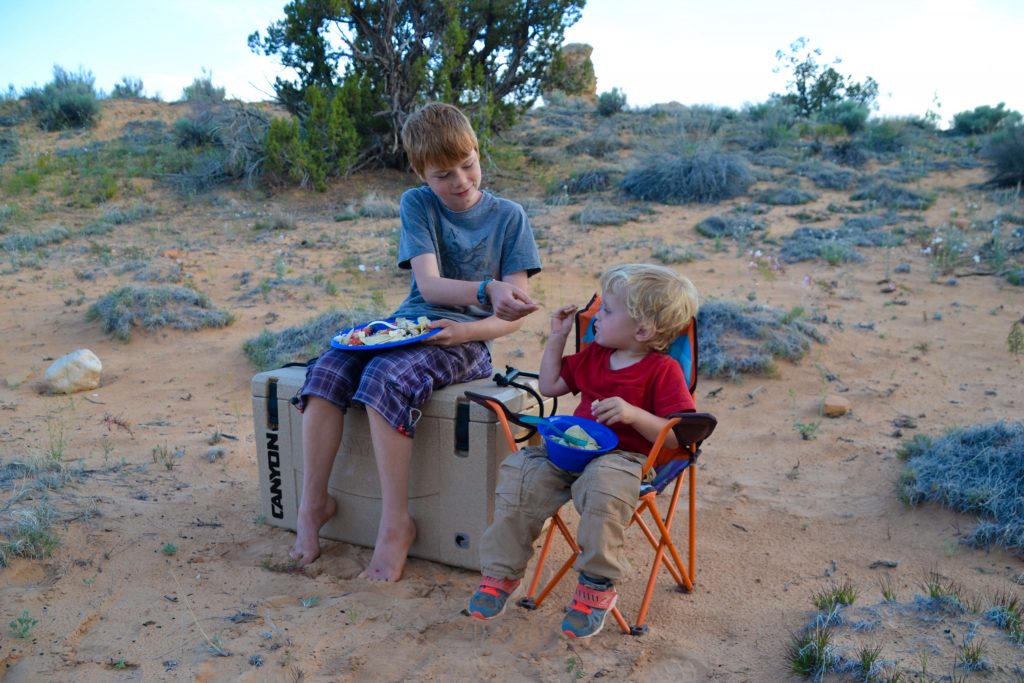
(579, 433)
(376, 333)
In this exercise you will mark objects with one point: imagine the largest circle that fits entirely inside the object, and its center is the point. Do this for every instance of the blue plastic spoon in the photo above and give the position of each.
(574, 440)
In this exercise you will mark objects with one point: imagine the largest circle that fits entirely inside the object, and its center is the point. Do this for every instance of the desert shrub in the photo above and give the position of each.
(847, 153)
(1005, 152)
(603, 142)
(706, 176)
(747, 338)
(8, 146)
(129, 87)
(984, 119)
(30, 241)
(978, 470)
(323, 144)
(734, 226)
(611, 102)
(298, 344)
(284, 159)
(835, 246)
(130, 214)
(68, 101)
(374, 205)
(203, 173)
(886, 136)
(893, 197)
(828, 176)
(197, 131)
(604, 214)
(139, 136)
(237, 152)
(785, 196)
(587, 181)
(676, 254)
(150, 308)
(202, 89)
(774, 124)
(849, 115)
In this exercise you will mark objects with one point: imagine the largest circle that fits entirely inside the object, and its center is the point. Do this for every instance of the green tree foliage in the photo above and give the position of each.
(283, 161)
(985, 119)
(68, 101)
(390, 56)
(814, 86)
(324, 145)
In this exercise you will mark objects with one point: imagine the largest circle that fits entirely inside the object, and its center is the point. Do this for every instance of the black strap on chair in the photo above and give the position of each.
(509, 380)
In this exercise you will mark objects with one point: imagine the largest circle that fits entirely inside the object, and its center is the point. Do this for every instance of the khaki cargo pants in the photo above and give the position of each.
(530, 489)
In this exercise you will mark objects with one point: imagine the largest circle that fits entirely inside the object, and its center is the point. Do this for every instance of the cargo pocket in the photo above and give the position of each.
(609, 487)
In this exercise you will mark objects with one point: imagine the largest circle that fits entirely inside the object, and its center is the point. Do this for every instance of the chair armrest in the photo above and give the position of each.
(693, 428)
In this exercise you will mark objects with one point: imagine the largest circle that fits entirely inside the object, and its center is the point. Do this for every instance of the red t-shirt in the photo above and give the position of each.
(655, 383)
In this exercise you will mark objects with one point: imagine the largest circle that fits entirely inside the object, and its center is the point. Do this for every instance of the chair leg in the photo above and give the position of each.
(532, 600)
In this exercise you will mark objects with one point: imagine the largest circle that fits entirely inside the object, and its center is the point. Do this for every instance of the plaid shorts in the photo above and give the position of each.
(394, 382)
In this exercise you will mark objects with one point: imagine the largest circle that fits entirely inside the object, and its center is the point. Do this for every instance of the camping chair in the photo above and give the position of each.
(671, 467)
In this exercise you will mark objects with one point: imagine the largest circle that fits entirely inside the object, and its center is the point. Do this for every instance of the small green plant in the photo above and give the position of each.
(163, 457)
(946, 593)
(889, 589)
(311, 601)
(169, 549)
(1015, 340)
(810, 652)
(1007, 612)
(972, 655)
(22, 626)
(869, 659)
(574, 664)
(807, 430)
(834, 595)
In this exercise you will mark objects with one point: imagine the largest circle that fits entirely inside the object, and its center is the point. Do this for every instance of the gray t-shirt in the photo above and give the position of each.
(492, 239)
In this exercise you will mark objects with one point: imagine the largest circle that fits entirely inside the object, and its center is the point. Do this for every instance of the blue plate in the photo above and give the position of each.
(386, 345)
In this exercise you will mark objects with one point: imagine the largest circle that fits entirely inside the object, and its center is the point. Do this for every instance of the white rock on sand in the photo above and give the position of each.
(78, 371)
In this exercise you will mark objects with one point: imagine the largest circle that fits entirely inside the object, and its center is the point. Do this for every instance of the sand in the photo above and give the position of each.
(780, 517)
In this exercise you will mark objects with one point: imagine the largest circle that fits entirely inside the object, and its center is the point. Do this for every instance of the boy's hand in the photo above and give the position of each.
(451, 334)
(509, 302)
(609, 411)
(562, 320)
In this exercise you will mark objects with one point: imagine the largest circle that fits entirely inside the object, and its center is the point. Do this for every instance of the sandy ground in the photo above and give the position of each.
(780, 517)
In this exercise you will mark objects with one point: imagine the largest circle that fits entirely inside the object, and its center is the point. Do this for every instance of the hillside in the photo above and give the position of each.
(146, 486)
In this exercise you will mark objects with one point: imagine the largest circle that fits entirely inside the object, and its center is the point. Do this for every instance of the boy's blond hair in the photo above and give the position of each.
(438, 135)
(656, 296)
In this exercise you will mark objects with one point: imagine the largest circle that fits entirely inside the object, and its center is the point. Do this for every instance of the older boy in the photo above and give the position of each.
(625, 380)
(470, 254)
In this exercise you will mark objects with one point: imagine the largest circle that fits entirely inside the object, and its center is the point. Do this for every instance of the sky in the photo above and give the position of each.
(944, 56)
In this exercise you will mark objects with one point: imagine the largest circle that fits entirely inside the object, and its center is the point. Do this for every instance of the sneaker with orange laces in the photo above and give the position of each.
(491, 597)
(590, 605)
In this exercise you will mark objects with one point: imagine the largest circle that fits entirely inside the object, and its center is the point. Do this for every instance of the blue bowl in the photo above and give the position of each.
(575, 459)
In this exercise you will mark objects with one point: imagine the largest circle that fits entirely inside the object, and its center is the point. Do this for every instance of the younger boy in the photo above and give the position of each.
(470, 254)
(626, 381)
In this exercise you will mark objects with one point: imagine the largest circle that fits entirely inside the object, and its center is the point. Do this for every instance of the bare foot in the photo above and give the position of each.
(390, 553)
(307, 532)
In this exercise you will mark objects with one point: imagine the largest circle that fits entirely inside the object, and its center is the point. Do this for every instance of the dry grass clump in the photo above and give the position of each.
(747, 338)
(977, 470)
(299, 344)
(706, 176)
(150, 308)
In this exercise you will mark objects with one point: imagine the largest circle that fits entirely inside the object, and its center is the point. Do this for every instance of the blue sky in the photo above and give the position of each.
(719, 52)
